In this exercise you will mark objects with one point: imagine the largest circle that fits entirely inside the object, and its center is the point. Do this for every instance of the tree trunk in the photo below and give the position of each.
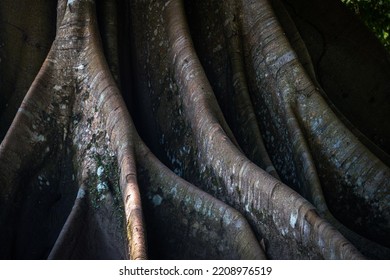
(248, 144)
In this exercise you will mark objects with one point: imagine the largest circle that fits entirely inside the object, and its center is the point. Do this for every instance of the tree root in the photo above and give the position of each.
(240, 139)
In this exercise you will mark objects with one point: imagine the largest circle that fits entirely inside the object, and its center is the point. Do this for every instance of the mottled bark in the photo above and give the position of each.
(244, 148)
(327, 155)
(68, 115)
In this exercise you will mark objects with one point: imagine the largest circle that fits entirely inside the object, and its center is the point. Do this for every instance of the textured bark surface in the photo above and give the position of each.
(250, 152)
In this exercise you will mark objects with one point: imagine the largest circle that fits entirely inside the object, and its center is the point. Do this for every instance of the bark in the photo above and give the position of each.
(244, 148)
(74, 92)
(344, 169)
(333, 37)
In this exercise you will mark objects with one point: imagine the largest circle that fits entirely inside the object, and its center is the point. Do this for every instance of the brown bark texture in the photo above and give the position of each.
(246, 129)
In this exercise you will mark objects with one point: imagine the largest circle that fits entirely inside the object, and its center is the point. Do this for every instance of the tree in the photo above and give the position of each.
(157, 128)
